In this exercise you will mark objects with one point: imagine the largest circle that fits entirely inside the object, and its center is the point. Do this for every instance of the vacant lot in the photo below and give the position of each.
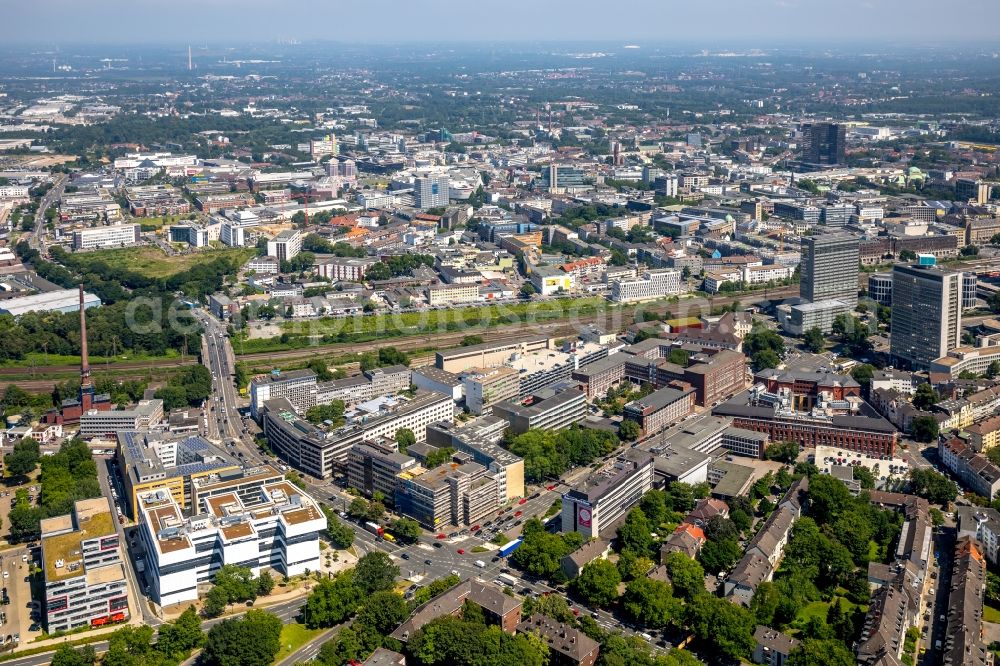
(154, 262)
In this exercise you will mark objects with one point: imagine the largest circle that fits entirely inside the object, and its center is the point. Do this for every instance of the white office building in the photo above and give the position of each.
(651, 286)
(116, 235)
(593, 506)
(430, 191)
(278, 528)
(285, 245)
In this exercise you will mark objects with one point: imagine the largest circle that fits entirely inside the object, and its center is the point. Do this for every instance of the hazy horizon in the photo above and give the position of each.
(760, 23)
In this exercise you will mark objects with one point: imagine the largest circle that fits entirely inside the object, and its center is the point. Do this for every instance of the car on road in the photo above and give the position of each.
(522, 501)
(405, 556)
(518, 514)
(460, 551)
(427, 562)
(437, 544)
(441, 536)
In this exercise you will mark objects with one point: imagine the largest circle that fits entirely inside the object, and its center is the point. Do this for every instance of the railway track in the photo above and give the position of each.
(612, 319)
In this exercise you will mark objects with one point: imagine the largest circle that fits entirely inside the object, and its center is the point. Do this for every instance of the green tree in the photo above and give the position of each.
(728, 628)
(634, 534)
(654, 506)
(405, 439)
(924, 428)
(252, 640)
(176, 639)
(719, 555)
(816, 652)
(332, 601)
(597, 584)
(215, 602)
(814, 340)
(933, 486)
(265, 584)
(925, 397)
(863, 373)
(651, 603)
(687, 576)
(66, 655)
(471, 340)
(375, 572)
(24, 458)
(764, 359)
(382, 612)
(785, 452)
(528, 290)
(406, 530)
(629, 431)
(341, 535)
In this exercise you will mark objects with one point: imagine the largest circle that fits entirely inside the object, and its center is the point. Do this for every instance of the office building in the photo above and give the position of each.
(84, 578)
(430, 191)
(829, 268)
(652, 285)
(880, 288)
(797, 318)
(276, 528)
(599, 376)
(926, 313)
(176, 464)
(455, 493)
(970, 284)
(430, 378)
(481, 438)
(546, 409)
(744, 442)
(486, 386)
(374, 468)
(321, 453)
(449, 294)
(595, 506)
(824, 143)
(660, 409)
(297, 386)
(116, 235)
(286, 245)
(490, 354)
(108, 423)
(975, 191)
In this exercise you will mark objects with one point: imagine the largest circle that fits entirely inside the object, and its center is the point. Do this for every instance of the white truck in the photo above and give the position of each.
(480, 564)
(506, 580)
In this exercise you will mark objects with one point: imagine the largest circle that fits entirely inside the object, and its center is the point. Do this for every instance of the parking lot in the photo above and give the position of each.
(883, 468)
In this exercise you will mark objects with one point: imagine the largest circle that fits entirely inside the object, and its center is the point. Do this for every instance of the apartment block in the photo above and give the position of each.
(975, 470)
(349, 269)
(85, 584)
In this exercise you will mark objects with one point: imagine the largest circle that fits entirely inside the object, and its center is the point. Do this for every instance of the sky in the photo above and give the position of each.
(709, 22)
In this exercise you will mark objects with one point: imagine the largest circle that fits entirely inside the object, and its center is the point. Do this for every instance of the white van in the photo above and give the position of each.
(480, 564)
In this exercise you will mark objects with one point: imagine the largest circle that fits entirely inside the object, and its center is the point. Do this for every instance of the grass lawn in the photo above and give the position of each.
(38, 359)
(154, 263)
(294, 636)
(991, 614)
(819, 610)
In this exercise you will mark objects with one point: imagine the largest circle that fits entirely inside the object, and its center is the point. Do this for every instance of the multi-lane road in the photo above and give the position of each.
(37, 241)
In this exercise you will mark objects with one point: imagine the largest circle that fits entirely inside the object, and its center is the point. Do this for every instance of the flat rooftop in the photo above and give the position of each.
(63, 553)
